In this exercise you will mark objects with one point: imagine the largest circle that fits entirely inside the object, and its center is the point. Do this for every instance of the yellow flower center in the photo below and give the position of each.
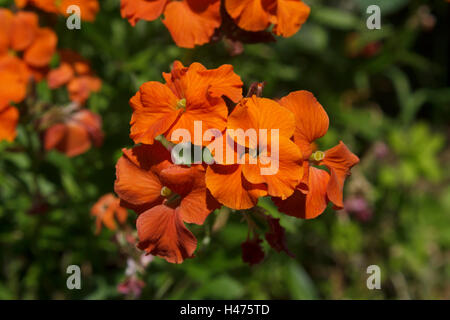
(317, 156)
(181, 104)
(166, 192)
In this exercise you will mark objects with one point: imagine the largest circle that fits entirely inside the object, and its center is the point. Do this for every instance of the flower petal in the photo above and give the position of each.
(339, 160)
(154, 112)
(60, 76)
(162, 233)
(198, 203)
(24, 30)
(9, 117)
(281, 173)
(311, 120)
(192, 22)
(42, 49)
(223, 82)
(6, 21)
(290, 16)
(137, 181)
(250, 15)
(135, 10)
(230, 188)
(261, 113)
(80, 88)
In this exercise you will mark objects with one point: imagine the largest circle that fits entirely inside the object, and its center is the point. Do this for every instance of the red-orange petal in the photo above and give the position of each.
(281, 178)
(154, 112)
(80, 88)
(260, 113)
(339, 160)
(251, 15)
(312, 204)
(311, 120)
(13, 79)
(162, 233)
(40, 52)
(60, 76)
(136, 183)
(192, 22)
(6, 21)
(290, 16)
(24, 30)
(196, 206)
(9, 117)
(92, 122)
(223, 82)
(229, 187)
(135, 10)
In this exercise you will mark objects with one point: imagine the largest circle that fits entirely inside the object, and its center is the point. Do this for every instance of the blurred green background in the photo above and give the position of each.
(388, 97)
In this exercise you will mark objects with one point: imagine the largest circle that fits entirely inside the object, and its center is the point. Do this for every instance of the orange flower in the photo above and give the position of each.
(21, 33)
(75, 134)
(9, 116)
(318, 186)
(75, 72)
(106, 209)
(190, 94)
(164, 195)
(238, 186)
(88, 8)
(257, 15)
(14, 77)
(190, 22)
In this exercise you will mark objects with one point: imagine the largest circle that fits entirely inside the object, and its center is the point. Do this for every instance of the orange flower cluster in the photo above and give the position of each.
(195, 22)
(167, 194)
(75, 72)
(88, 8)
(25, 52)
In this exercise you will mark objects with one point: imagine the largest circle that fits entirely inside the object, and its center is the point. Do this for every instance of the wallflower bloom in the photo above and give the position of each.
(190, 93)
(318, 186)
(21, 33)
(287, 16)
(88, 8)
(74, 133)
(106, 209)
(75, 72)
(239, 186)
(190, 22)
(165, 196)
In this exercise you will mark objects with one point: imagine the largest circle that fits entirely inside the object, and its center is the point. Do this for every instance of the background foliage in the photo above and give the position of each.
(389, 102)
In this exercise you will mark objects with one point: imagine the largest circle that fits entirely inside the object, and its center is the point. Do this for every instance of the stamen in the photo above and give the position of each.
(166, 192)
(317, 156)
(181, 104)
